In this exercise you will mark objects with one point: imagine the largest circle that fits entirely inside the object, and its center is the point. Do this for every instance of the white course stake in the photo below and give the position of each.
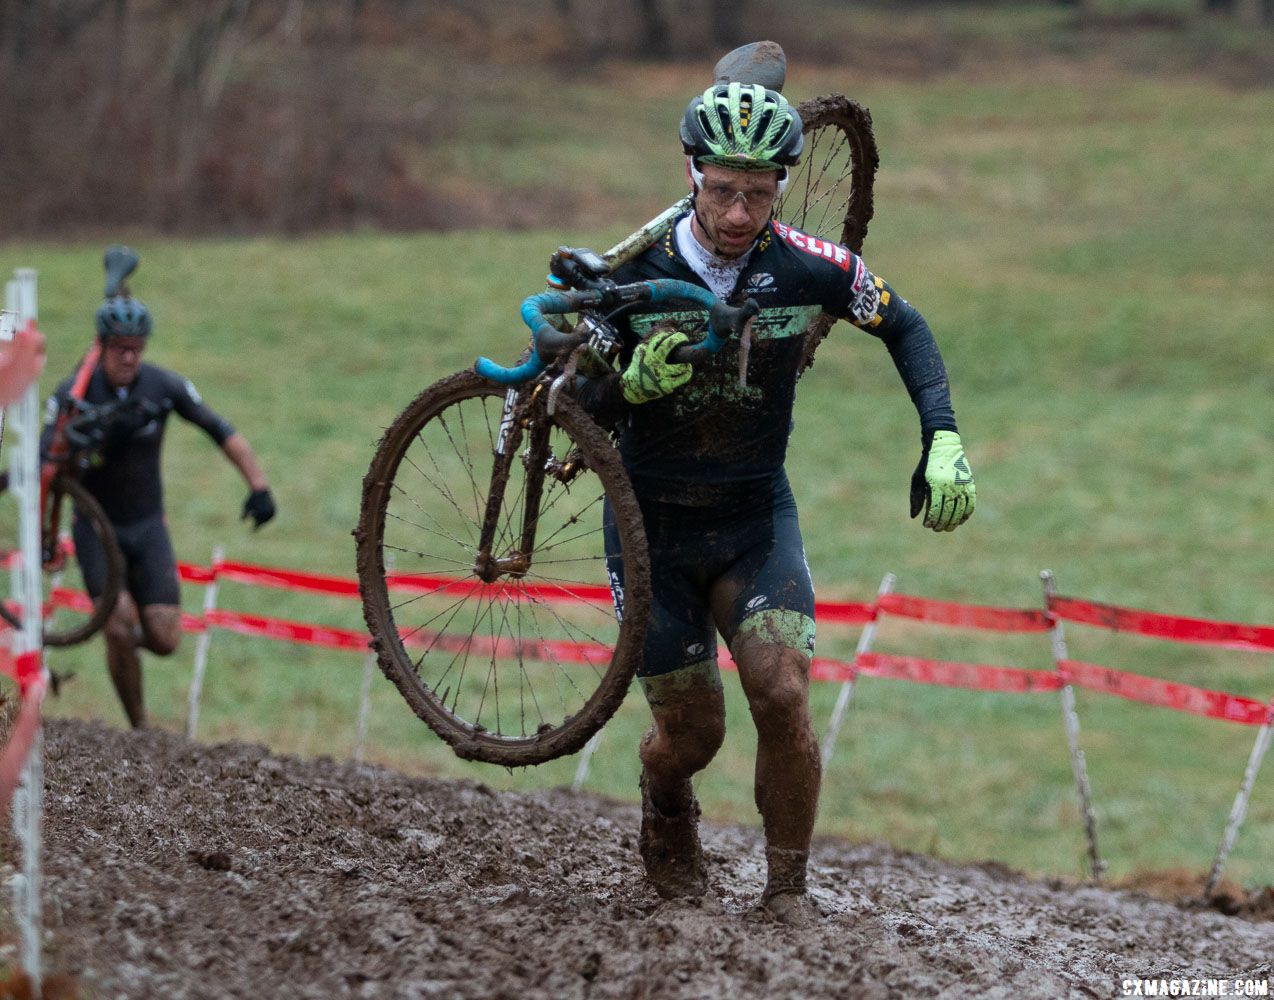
(1078, 766)
(847, 688)
(585, 757)
(28, 813)
(1239, 809)
(201, 647)
(8, 326)
(28, 799)
(25, 285)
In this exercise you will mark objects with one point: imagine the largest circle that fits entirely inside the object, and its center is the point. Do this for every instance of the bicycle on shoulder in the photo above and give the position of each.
(480, 551)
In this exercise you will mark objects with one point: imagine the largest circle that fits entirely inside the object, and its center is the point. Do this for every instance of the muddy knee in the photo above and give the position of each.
(682, 751)
(781, 706)
(773, 650)
(123, 627)
(777, 689)
(688, 707)
(161, 628)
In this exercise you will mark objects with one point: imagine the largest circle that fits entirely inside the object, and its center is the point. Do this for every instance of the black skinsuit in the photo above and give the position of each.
(127, 481)
(706, 460)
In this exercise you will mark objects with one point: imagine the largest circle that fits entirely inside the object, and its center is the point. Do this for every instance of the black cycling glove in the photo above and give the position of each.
(259, 506)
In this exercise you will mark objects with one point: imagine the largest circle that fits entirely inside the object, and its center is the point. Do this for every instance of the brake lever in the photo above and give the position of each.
(80, 429)
(580, 268)
(724, 320)
(745, 351)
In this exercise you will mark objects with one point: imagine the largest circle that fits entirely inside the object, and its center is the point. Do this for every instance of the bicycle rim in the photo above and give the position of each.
(71, 616)
(830, 191)
(526, 667)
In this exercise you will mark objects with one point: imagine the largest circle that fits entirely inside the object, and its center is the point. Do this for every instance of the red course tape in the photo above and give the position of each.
(965, 615)
(1149, 690)
(23, 668)
(1228, 635)
(964, 675)
(1166, 694)
(287, 579)
(298, 632)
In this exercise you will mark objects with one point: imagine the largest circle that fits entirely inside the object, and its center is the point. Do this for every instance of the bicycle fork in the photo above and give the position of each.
(515, 417)
(52, 552)
(525, 414)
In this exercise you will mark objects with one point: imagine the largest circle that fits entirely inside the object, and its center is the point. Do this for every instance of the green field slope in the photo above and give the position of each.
(1093, 251)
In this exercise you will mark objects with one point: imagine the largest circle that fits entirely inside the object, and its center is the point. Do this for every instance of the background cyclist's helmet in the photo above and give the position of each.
(744, 127)
(123, 316)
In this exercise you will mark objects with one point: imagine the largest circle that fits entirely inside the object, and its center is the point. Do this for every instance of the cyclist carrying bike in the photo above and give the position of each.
(137, 399)
(706, 458)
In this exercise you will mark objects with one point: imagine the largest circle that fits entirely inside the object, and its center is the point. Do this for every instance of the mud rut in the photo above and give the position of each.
(175, 869)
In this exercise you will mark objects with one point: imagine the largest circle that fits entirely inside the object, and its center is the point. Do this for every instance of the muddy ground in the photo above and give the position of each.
(177, 870)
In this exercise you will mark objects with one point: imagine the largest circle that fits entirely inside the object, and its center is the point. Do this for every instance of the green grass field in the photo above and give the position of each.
(1092, 249)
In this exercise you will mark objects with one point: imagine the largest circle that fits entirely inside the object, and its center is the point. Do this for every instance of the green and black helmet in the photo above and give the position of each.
(744, 127)
(123, 316)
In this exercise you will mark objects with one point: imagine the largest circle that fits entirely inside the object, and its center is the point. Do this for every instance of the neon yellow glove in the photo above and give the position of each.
(942, 484)
(650, 375)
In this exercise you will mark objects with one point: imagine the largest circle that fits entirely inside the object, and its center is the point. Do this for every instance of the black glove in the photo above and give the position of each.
(919, 486)
(259, 506)
(121, 422)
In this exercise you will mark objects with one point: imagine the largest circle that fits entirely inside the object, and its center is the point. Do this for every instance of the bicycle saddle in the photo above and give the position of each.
(758, 62)
(120, 261)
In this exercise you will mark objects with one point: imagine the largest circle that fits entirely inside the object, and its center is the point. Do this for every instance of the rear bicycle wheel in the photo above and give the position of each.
(71, 615)
(830, 191)
(511, 666)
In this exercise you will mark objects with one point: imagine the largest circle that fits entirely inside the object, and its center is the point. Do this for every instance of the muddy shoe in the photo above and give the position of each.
(670, 849)
(792, 909)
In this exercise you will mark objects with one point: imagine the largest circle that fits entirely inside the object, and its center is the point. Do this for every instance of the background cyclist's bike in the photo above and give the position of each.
(70, 615)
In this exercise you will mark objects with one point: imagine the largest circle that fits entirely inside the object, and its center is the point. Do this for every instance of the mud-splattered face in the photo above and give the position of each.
(732, 207)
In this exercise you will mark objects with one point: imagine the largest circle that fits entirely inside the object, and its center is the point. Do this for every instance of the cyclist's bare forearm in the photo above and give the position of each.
(241, 455)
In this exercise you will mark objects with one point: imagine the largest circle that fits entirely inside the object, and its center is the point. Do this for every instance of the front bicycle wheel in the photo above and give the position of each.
(830, 191)
(512, 657)
(71, 614)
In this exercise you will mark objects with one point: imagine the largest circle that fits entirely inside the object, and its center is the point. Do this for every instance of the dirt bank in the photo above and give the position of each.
(180, 870)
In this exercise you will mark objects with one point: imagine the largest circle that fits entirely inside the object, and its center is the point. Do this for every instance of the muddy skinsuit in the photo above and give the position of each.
(706, 462)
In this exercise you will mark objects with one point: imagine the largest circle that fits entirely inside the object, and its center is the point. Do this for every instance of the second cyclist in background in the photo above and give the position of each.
(137, 399)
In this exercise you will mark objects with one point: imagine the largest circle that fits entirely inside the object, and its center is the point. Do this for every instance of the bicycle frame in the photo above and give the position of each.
(488, 568)
(58, 454)
(641, 240)
(520, 411)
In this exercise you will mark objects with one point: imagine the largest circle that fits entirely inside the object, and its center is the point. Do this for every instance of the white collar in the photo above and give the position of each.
(720, 274)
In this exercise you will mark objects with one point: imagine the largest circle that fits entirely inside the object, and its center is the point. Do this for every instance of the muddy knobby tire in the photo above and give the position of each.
(64, 627)
(421, 512)
(830, 193)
